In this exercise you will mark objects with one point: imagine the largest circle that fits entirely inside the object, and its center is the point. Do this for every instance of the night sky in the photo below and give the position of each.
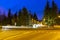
(32, 5)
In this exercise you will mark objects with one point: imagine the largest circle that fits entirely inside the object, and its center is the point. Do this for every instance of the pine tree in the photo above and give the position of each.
(15, 17)
(57, 19)
(9, 17)
(30, 19)
(19, 20)
(46, 11)
(54, 9)
(35, 18)
(25, 17)
(49, 12)
(4, 22)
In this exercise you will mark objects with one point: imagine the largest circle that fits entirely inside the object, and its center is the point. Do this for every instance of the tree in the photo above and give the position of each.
(58, 19)
(14, 19)
(30, 19)
(4, 21)
(19, 19)
(25, 16)
(9, 17)
(46, 13)
(35, 17)
(46, 10)
(54, 9)
(50, 14)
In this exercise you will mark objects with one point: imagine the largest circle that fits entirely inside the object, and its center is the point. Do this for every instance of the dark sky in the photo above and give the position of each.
(32, 5)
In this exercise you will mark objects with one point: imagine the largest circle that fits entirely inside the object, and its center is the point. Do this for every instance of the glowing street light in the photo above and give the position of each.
(58, 16)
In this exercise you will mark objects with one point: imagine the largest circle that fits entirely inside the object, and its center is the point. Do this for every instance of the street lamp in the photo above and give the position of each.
(59, 16)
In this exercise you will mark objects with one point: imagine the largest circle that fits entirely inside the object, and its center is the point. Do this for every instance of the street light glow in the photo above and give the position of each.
(58, 16)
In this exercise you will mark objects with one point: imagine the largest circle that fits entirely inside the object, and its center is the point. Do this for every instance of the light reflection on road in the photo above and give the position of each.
(30, 35)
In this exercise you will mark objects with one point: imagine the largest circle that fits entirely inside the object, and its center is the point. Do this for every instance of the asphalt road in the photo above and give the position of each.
(29, 34)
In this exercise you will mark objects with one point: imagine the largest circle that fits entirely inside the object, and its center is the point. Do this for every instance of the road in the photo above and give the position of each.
(29, 34)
